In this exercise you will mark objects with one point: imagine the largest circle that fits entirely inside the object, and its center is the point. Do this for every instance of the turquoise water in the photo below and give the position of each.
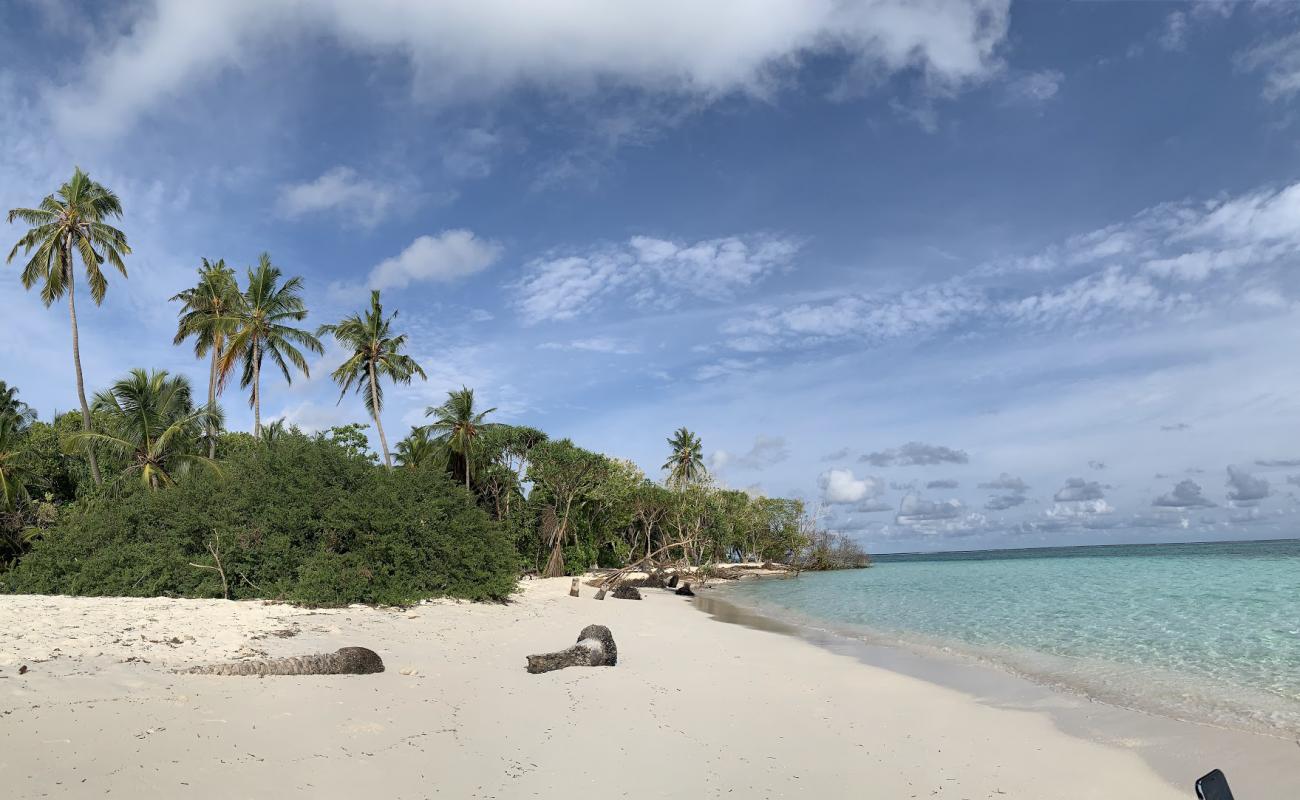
(1207, 632)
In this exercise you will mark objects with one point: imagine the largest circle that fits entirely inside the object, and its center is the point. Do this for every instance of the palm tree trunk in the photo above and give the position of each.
(374, 405)
(76, 360)
(257, 393)
(212, 401)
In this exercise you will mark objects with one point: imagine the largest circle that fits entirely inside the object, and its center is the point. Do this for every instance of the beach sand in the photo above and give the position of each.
(695, 708)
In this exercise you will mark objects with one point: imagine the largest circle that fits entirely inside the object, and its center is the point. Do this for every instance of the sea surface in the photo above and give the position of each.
(1208, 632)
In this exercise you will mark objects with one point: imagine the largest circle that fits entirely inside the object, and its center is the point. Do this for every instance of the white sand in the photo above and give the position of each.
(695, 708)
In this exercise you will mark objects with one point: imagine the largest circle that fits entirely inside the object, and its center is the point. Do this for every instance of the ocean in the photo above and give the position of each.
(1208, 632)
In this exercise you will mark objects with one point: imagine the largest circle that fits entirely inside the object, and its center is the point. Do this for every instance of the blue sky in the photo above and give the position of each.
(960, 274)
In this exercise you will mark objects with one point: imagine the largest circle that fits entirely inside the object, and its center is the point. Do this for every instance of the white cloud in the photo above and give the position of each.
(839, 487)
(470, 49)
(449, 256)
(1278, 60)
(595, 344)
(1174, 36)
(916, 510)
(1034, 87)
(652, 271)
(342, 191)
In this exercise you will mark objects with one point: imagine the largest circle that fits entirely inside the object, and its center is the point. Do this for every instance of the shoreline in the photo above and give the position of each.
(1258, 764)
(694, 708)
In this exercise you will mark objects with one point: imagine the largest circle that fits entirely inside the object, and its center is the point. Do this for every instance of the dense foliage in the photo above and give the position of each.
(142, 493)
(306, 519)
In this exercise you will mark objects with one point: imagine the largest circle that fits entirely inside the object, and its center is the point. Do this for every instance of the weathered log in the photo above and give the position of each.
(573, 588)
(685, 590)
(595, 648)
(344, 661)
(600, 594)
(625, 592)
(672, 582)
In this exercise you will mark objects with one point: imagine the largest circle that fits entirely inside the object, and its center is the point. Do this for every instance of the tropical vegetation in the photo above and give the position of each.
(145, 492)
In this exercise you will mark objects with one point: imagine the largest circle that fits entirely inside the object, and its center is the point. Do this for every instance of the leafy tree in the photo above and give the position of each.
(686, 463)
(262, 328)
(375, 353)
(10, 406)
(567, 474)
(14, 471)
(69, 224)
(149, 419)
(207, 315)
(458, 425)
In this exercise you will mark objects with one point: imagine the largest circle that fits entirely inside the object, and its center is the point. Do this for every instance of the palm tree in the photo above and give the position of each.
(149, 419)
(686, 464)
(376, 353)
(70, 223)
(419, 449)
(260, 330)
(13, 408)
(458, 426)
(13, 466)
(207, 315)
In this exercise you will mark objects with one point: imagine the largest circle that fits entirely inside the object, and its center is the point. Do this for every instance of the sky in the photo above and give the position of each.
(959, 274)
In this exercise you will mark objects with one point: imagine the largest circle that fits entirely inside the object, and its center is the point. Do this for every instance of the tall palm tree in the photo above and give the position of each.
(13, 408)
(458, 426)
(208, 315)
(376, 353)
(67, 224)
(686, 464)
(261, 329)
(149, 419)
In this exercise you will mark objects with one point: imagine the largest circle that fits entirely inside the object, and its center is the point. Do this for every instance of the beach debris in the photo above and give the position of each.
(22, 670)
(672, 582)
(595, 648)
(573, 588)
(625, 592)
(654, 580)
(600, 594)
(344, 661)
(685, 590)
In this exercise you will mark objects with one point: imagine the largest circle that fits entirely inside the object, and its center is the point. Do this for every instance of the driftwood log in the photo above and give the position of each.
(573, 588)
(685, 590)
(595, 648)
(626, 592)
(344, 661)
(672, 582)
(600, 594)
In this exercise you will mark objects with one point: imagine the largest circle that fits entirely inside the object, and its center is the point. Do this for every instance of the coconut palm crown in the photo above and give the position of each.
(375, 353)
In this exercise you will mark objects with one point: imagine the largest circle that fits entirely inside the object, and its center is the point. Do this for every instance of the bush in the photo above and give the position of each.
(304, 519)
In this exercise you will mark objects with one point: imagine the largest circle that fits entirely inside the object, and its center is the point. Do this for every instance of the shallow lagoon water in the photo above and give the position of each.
(1205, 632)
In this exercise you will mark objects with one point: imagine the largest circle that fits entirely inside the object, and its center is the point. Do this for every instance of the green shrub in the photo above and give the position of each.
(304, 519)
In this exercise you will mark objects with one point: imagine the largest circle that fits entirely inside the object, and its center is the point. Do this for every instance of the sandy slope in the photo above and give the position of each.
(696, 708)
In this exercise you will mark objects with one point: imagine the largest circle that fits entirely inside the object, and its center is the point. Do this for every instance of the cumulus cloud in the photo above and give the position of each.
(648, 271)
(915, 454)
(766, 451)
(1079, 509)
(915, 510)
(1006, 482)
(1004, 501)
(1245, 489)
(944, 483)
(839, 487)
(1079, 490)
(355, 199)
(1186, 494)
(443, 258)
(459, 50)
